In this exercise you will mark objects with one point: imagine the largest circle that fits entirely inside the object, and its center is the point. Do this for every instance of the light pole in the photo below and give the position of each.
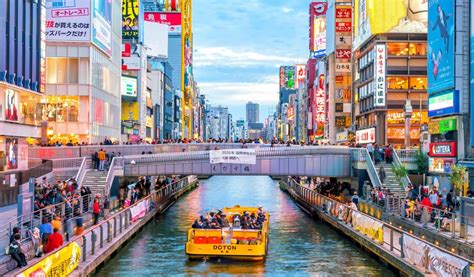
(408, 114)
(297, 121)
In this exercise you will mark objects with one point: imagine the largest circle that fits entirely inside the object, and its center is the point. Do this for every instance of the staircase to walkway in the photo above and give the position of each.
(390, 181)
(95, 180)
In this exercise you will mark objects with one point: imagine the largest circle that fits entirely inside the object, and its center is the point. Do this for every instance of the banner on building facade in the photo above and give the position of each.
(61, 263)
(68, 20)
(431, 259)
(130, 19)
(233, 156)
(139, 210)
(380, 60)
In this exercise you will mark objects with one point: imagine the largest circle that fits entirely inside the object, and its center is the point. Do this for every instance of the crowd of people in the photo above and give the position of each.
(380, 153)
(220, 220)
(425, 205)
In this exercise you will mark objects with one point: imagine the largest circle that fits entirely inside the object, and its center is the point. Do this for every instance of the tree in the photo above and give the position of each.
(400, 172)
(422, 163)
(458, 177)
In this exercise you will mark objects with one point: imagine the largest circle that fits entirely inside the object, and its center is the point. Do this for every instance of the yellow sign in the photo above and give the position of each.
(61, 263)
(373, 17)
(148, 121)
(130, 111)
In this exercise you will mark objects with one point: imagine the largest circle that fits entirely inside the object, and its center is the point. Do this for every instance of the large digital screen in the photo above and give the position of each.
(373, 17)
(101, 25)
(129, 86)
(440, 46)
(445, 103)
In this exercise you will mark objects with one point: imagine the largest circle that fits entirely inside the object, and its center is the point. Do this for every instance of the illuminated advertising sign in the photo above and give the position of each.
(68, 20)
(101, 25)
(130, 111)
(343, 40)
(344, 12)
(445, 103)
(440, 165)
(441, 46)
(442, 149)
(300, 75)
(380, 60)
(365, 136)
(129, 86)
(343, 67)
(130, 57)
(282, 76)
(373, 17)
(289, 77)
(341, 137)
(11, 105)
(317, 28)
(172, 19)
(12, 153)
(320, 98)
(130, 19)
(343, 53)
(343, 27)
(442, 126)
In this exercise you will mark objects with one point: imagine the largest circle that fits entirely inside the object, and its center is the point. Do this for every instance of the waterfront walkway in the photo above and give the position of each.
(99, 241)
(395, 246)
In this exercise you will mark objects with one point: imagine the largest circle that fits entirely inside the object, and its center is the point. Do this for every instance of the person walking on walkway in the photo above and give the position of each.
(382, 174)
(370, 149)
(102, 158)
(55, 241)
(96, 210)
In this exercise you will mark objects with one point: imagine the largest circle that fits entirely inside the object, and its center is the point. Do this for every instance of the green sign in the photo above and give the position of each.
(447, 125)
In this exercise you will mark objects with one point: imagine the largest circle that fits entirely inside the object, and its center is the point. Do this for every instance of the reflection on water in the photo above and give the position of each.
(298, 244)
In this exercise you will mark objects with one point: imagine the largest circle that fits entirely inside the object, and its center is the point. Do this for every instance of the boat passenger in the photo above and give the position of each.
(225, 221)
(197, 224)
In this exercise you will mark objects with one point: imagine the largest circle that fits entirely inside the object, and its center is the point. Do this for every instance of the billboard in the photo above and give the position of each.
(373, 17)
(171, 19)
(156, 39)
(380, 60)
(130, 111)
(440, 45)
(11, 105)
(365, 136)
(300, 75)
(101, 25)
(129, 86)
(287, 77)
(68, 20)
(317, 28)
(445, 103)
(12, 153)
(442, 149)
(130, 19)
(130, 57)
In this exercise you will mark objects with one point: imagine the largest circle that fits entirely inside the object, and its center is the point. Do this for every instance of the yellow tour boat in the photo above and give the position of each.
(232, 241)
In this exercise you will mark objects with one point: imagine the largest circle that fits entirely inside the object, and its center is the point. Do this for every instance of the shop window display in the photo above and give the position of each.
(60, 109)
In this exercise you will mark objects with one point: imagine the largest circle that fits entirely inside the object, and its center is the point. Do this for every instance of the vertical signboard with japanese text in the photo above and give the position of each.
(440, 45)
(317, 28)
(101, 25)
(68, 20)
(320, 106)
(300, 75)
(380, 60)
(130, 19)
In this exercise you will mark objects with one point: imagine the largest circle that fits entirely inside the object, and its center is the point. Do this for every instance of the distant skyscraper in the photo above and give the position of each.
(252, 112)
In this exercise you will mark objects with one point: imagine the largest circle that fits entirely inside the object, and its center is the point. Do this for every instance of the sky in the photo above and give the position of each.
(240, 45)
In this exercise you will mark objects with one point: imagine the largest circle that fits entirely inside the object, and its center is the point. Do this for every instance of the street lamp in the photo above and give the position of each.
(408, 114)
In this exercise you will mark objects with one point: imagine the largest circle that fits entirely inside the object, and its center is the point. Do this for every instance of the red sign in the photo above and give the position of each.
(318, 8)
(344, 12)
(126, 50)
(343, 54)
(172, 19)
(320, 113)
(343, 27)
(443, 149)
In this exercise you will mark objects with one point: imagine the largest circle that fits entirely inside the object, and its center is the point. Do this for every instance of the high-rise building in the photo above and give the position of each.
(390, 79)
(252, 111)
(83, 73)
(22, 54)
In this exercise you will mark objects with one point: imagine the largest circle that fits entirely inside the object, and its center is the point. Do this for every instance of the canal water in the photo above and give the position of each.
(299, 245)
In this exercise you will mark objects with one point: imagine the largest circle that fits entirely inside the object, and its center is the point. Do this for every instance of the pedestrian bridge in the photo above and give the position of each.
(281, 161)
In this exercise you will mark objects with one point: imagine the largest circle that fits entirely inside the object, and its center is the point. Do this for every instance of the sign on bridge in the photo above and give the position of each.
(233, 156)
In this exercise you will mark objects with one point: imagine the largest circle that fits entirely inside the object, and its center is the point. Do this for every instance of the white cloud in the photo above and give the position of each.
(223, 56)
(287, 10)
(227, 93)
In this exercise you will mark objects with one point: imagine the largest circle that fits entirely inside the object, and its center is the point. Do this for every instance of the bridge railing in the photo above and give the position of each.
(116, 164)
(339, 211)
(405, 179)
(406, 155)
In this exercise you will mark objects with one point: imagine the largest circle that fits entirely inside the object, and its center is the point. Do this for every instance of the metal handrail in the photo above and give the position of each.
(82, 171)
(405, 179)
(116, 161)
(406, 155)
(371, 170)
(67, 162)
(118, 222)
(311, 197)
